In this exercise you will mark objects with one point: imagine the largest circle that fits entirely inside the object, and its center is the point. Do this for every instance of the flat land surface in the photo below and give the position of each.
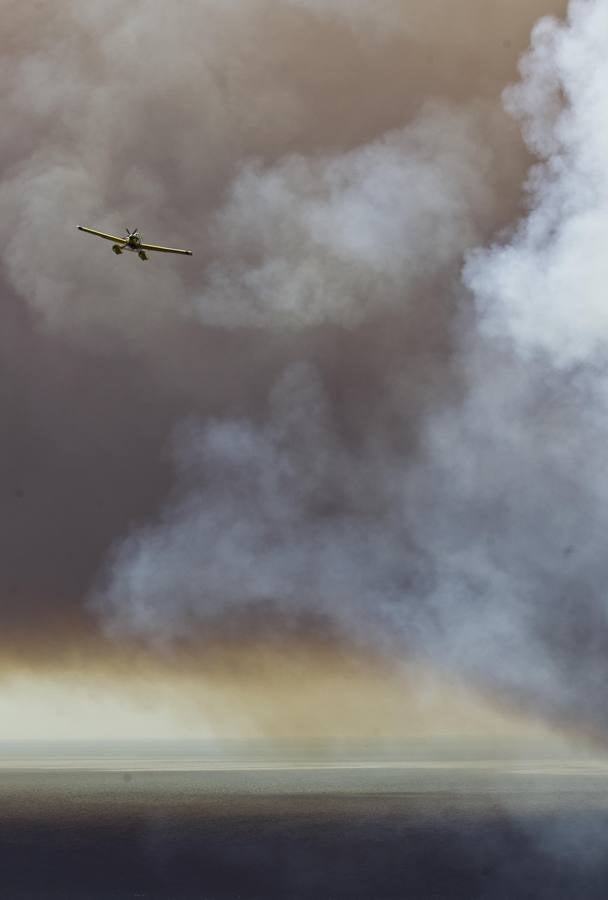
(218, 829)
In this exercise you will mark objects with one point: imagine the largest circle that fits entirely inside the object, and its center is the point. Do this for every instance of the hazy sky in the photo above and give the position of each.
(366, 421)
(298, 698)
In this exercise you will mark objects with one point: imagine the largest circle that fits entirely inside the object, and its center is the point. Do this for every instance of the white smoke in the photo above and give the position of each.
(546, 288)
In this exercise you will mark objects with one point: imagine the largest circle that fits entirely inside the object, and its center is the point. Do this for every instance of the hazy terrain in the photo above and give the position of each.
(209, 822)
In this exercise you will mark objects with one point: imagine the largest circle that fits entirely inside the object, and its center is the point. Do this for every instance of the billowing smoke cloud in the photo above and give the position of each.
(546, 288)
(335, 240)
(365, 445)
(482, 547)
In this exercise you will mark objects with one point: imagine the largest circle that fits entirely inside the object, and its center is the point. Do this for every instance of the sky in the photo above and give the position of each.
(363, 426)
(266, 698)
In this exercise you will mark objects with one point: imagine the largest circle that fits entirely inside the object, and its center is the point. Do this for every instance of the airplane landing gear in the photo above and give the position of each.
(143, 255)
(117, 249)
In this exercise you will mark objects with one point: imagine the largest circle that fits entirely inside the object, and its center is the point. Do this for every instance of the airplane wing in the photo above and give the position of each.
(158, 249)
(103, 234)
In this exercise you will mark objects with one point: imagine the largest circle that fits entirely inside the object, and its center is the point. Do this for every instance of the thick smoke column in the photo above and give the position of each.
(467, 530)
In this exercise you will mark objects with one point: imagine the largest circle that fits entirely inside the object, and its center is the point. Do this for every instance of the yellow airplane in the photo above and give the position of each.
(133, 242)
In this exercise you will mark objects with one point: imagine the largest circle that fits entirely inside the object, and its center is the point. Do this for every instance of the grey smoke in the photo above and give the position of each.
(338, 239)
(369, 446)
(481, 546)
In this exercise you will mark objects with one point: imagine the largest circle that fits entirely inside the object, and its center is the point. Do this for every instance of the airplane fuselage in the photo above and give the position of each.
(133, 243)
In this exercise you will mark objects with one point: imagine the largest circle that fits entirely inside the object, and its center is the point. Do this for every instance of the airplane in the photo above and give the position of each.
(133, 242)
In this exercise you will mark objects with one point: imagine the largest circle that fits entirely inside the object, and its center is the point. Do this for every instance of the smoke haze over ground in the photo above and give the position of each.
(372, 407)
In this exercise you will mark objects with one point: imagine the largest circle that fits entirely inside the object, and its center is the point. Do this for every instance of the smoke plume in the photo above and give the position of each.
(371, 408)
